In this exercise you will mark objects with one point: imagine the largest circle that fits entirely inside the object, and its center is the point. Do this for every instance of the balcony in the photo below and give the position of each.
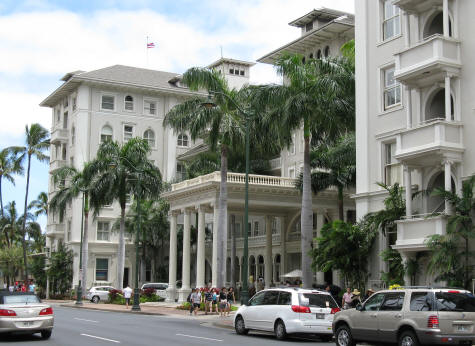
(275, 164)
(417, 6)
(255, 241)
(55, 164)
(55, 229)
(59, 135)
(425, 144)
(412, 233)
(428, 62)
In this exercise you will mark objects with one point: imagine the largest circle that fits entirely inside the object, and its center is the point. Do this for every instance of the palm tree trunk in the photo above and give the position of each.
(23, 241)
(121, 252)
(1, 197)
(341, 213)
(222, 219)
(467, 270)
(306, 213)
(85, 243)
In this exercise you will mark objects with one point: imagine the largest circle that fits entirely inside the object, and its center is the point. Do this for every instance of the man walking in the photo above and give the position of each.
(127, 295)
(208, 300)
(196, 300)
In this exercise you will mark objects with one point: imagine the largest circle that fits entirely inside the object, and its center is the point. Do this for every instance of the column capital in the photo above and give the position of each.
(447, 161)
(187, 210)
(174, 212)
(203, 208)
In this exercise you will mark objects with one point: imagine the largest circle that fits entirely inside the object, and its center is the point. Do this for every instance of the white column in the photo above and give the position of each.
(283, 228)
(171, 290)
(407, 34)
(409, 107)
(200, 255)
(406, 257)
(445, 9)
(268, 259)
(185, 288)
(408, 187)
(448, 183)
(448, 108)
(320, 221)
(214, 265)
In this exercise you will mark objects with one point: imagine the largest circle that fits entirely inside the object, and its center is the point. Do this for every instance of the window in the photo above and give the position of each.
(106, 134)
(270, 298)
(231, 71)
(63, 153)
(180, 171)
(257, 299)
(75, 100)
(66, 103)
(241, 72)
(327, 51)
(102, 269)
(285, 298)
(249, 228)
(393, 302)
(274, 225)
(319, 54)
(373, 302)
(65, 120)
(150, 107)
(317, 300)
(69, 231)
(292, 146)
(128, 132)
(103, 230)
(129, 103)
(58, 116)
(392, 89)
(311, 56)
(422, 301)
(57, 150)
(182, 140)
(107, 102)
(309, 26)
(455, 301)
(292, 173)
(391, 20)
(71, 161)
(149, 136)
(73, 135)
(256, 228)
(392, 169)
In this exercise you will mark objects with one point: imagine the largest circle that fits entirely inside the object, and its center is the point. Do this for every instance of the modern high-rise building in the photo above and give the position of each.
(414, 114)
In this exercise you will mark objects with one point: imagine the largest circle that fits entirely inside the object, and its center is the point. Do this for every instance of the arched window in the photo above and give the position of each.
(327, 51)
(435, 25)
(149, 136)
(311, 56)
(129, 103)
(182, 140)
(106, 134)
(319, 54)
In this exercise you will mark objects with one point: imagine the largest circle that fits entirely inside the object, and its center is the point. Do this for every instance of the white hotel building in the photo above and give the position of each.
(415, 112)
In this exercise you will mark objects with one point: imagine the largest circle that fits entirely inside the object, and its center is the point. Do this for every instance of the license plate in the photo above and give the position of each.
(462, 328)
(320, 316)
(27, 324)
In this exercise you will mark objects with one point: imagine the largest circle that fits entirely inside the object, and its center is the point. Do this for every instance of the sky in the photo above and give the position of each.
(40, 41)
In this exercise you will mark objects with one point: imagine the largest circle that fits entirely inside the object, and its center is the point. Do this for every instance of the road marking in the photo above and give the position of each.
(83, 319)
(98, 337)
(198, 337)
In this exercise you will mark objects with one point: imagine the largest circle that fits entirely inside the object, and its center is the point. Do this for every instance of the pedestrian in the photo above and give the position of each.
(23, 288)
(223, 301)
(190, 300)
(346, 300)
(231, 299)
(127, 295)
(208, 300)
(31, 287)
(196, 300)
(355, 298)
(215, 300)
(369, 293)
(11, 288)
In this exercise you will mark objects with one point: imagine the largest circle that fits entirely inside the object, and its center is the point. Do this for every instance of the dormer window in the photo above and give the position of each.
(308, 26)
(129, 103)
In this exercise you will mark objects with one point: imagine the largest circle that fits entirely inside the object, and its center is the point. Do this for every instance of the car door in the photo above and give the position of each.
(389, 316)
(365, 320)
(251, 313)
(268, 311)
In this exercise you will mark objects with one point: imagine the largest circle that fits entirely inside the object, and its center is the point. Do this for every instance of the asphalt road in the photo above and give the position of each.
(85, 327)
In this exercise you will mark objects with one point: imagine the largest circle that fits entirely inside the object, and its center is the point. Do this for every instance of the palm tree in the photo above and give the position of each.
(11, 225)
(336, 167)
(9, 166)
(40, 204)
(36, 144)
(78, 183)
(118, 170)
(318, 95)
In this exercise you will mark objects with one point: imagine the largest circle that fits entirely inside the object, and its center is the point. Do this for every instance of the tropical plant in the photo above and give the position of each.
(40, 204)
(11, 262)
(36, 144)
(318, 95)
(396, 270)
(335, 167)
(10, 225)
(9, 166)
(446, 260)
(460, 227)
(60, 270)
(345, 247)
(122, 171)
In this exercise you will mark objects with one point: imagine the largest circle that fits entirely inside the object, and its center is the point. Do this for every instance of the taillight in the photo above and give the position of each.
(433, 322)
(7, 313)
(301, 309)
(46, 311)
(335, 310)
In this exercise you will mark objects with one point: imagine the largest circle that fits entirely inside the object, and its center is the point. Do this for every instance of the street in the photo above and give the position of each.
(86, 327)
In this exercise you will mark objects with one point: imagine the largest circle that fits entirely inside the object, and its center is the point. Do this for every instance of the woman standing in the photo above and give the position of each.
(231, 298)
(223, 301)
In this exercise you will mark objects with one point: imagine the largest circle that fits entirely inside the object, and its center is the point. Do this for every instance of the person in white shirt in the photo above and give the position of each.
(127, 295)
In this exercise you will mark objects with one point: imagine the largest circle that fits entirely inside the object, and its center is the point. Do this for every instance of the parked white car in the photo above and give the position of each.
(160, 288)
(287, 311)
(99, 293)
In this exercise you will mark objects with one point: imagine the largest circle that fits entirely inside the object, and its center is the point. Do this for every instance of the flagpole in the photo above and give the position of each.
(146, 47)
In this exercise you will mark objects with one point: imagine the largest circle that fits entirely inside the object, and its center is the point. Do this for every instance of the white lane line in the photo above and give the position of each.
(98, 337)
(197, 337)
(83, 319)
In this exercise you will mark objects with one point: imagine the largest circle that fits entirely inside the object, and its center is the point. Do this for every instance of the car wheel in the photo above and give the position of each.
(343, 336)
(240, 326)
(95, 299)
(279, 330)
(46, 334)
(408, 338)
(326, 338)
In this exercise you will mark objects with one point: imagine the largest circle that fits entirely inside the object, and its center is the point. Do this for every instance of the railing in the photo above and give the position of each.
(275, 163)
(237, 178)
(59, 133)
(254, 241)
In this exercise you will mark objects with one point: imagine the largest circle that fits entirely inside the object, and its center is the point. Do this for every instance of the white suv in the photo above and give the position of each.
(286, 311)
(99, 293)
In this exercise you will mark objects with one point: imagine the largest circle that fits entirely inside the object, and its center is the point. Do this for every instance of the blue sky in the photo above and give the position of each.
(40, 41)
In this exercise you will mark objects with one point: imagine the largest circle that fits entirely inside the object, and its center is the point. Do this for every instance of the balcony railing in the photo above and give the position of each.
(428, 61)
(55, 229)
(55, 164)
(236, 178)
(256, 241)
(275, 163)
(413, 233)
(59, 134)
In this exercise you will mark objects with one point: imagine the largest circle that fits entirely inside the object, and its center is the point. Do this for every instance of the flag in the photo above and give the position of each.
(151, 45)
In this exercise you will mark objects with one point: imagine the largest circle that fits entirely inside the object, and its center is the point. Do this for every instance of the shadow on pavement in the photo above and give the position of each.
(21, 337)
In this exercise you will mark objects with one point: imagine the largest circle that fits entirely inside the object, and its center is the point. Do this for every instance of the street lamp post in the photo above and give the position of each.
(79, 290)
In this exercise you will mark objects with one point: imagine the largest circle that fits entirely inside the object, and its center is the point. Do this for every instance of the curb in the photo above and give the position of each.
(221, 325)
(113, 310)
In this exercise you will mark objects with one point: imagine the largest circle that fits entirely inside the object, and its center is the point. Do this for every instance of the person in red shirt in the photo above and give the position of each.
(23, 288)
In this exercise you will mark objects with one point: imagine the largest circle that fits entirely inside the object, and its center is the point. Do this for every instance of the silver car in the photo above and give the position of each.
(159, 287)
(22, 312)
(99, 293)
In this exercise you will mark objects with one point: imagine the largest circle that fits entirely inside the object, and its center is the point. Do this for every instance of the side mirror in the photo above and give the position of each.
(359, 307)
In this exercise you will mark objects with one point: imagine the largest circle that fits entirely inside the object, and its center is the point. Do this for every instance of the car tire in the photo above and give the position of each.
(408, 338)
(326, 338)
(279, 330)
(95, 299)
(240, 327)
(343, 336)
(46, 334)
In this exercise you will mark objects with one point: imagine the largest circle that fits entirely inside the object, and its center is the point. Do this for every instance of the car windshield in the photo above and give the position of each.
(317, 300)
(455, 301)
(21, 299)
